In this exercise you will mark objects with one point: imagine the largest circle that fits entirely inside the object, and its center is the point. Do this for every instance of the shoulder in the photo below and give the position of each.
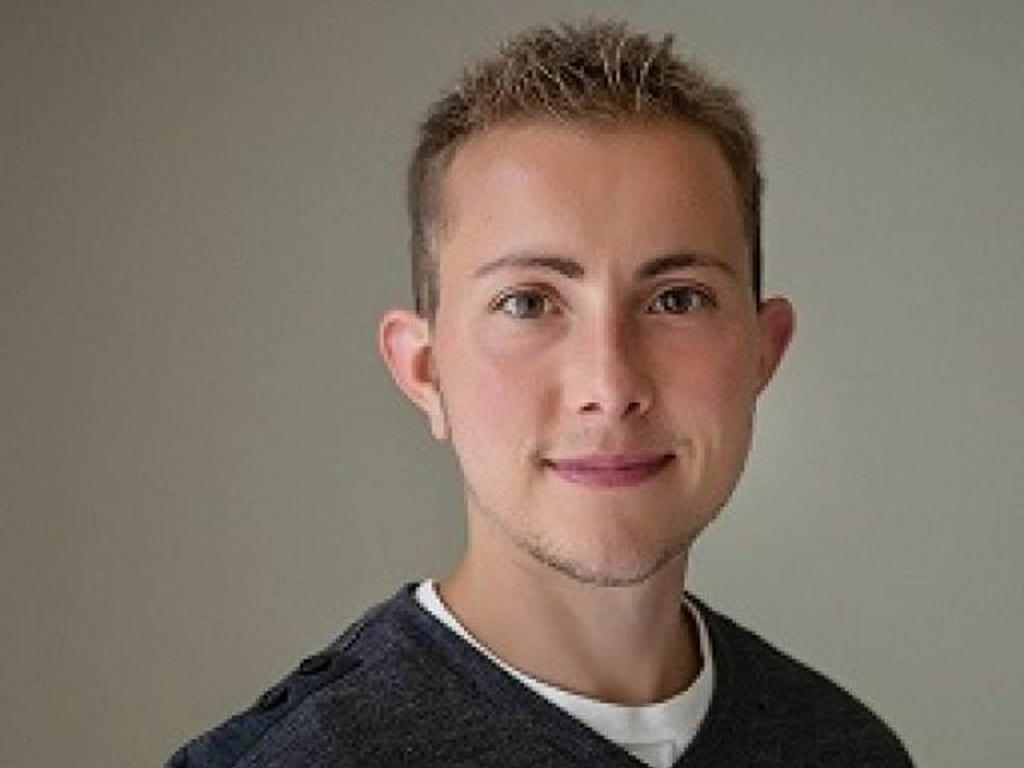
(777, 704)
(321, 712)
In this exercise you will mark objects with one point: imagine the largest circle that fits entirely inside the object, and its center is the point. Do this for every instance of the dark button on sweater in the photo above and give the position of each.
(273, 698)
(315, 664)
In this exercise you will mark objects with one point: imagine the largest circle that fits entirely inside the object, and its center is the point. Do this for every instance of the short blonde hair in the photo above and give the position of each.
(599, 72)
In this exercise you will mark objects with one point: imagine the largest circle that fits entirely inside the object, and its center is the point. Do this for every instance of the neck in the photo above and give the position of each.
(628, 645)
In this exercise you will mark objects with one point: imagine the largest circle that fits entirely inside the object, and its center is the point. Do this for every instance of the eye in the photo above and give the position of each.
(524, 304)
(680, 300)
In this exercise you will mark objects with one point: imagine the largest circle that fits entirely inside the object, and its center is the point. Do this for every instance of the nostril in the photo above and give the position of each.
(595, 407)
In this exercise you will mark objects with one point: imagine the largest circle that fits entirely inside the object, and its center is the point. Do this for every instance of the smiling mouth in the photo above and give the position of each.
(610, 470)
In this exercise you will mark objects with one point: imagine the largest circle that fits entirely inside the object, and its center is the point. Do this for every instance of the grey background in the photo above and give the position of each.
(205, 473)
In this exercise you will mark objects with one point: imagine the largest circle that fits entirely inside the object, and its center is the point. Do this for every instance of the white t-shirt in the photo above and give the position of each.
(655, 733)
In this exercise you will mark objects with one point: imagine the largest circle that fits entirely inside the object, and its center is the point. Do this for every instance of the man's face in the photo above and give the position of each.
(597, 347)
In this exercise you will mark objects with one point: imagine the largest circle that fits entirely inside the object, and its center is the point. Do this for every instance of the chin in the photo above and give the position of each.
(610, 565)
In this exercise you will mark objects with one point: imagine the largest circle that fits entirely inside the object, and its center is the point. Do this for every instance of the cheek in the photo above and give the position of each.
(496, 396)
(710, 378)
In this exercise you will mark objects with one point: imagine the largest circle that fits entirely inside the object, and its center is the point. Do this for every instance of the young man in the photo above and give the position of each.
(590, 337)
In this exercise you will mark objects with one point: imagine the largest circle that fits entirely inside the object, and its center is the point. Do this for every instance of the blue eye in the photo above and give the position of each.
(524, 305)
(680, 300)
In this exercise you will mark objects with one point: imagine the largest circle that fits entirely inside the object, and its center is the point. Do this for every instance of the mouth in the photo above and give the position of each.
(610, 470)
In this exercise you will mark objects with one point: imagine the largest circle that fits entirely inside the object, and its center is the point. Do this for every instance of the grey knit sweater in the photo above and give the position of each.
(400, 689)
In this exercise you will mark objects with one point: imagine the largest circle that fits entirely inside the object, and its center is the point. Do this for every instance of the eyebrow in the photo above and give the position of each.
(651, 268)
(673, 261)
(559, 264)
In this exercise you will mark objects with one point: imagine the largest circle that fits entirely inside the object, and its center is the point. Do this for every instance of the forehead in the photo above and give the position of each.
(621, 192)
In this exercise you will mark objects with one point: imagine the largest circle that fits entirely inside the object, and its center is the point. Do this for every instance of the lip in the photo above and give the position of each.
(610, 470)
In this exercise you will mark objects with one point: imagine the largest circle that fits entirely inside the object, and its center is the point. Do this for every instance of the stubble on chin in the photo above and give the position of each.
(551, 556)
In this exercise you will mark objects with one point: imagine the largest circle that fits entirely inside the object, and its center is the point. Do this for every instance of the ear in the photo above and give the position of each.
(404, 342)
(775, 320)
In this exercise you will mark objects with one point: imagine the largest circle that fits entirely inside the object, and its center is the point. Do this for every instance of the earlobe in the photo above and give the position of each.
(776, 321)
(405, 344)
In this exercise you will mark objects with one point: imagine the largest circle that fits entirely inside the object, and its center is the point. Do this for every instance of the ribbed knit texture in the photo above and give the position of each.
(400, 689)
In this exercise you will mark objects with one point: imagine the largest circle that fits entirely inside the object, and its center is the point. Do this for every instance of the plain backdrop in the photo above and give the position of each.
(205, 473)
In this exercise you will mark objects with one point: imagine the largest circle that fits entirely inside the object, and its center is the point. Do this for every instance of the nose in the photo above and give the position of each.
(609, 376)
